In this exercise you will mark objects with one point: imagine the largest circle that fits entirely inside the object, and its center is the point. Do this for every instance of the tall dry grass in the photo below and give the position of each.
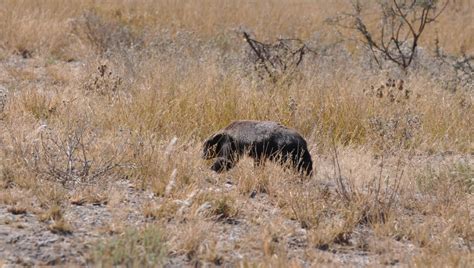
(43, 26)
(142, 83)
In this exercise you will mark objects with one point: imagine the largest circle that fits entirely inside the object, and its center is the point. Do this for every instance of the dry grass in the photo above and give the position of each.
(100, 92)
(133, 248)
(56, 221)
(26, 24)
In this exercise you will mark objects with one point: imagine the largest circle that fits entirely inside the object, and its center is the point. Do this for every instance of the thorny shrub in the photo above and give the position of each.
(70, 156)
(277, 61)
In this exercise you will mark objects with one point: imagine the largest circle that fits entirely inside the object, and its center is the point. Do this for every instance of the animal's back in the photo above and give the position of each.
(249, 131)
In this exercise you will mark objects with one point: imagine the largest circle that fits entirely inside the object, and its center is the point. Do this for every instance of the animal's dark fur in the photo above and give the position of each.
(259, 140)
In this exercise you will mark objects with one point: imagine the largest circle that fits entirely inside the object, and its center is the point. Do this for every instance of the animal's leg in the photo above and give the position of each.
(223, 164)
(258, 155)
(303, 163)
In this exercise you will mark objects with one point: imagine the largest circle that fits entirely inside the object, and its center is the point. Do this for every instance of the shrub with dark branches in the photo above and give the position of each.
(402, 22)
(277, 60)
(463, 66)
(75, 156)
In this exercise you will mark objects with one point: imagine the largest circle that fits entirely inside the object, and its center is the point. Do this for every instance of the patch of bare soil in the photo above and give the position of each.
(26, 240)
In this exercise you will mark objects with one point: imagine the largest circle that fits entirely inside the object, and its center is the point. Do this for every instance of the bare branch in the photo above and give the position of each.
(401, 25)
(277, 60)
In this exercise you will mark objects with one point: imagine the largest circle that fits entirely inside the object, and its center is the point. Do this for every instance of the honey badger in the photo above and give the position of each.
(260, 140)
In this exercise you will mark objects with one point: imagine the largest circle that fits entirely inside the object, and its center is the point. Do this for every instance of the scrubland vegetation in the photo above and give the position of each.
(104, 106)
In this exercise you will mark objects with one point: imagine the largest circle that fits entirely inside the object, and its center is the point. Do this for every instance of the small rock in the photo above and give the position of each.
(228, 184)
(47, 241)
(253, 194)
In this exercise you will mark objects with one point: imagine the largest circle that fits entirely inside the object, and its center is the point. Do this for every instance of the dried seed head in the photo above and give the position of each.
(391, 96)
(407, 93)
(379, 92)
(400, 84)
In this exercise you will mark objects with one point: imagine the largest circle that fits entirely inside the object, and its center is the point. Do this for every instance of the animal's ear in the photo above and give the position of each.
(213, 140)
(212, 145)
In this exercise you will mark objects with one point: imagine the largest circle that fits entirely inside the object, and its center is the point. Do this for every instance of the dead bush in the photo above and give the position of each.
(392, 132)
(104, 81)
(401, 24)
(75, 156)
(461, 66)
(101, 35)
(68, 155)
(278, 60)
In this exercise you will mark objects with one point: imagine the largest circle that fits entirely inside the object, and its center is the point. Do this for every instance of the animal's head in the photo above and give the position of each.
(219, 145)
(222, 164)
